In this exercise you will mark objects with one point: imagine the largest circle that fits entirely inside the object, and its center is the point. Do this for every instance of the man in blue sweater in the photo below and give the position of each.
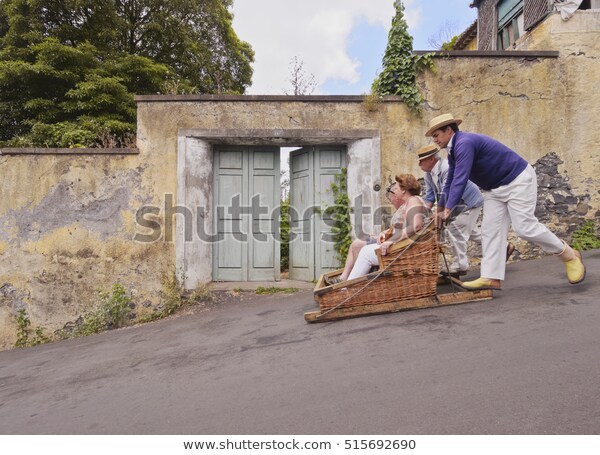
(509, 187)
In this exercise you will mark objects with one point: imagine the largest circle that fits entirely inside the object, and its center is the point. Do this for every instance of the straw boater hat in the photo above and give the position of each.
(441, 121)
(427, 151)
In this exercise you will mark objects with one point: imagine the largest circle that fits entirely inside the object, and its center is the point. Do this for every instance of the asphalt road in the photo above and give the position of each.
(526, 362)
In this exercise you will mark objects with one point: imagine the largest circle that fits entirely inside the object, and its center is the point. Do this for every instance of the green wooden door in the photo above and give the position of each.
(312, 170)
(246, 193)
(328, 162)
(302, 253)
(265, 191)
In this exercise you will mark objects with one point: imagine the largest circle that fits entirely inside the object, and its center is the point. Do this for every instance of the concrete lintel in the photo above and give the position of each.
(279, 137)
(262, 98)
(491, 54)
(66, 151)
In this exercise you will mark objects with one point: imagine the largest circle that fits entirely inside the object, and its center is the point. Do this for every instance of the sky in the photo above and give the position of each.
(340, 42)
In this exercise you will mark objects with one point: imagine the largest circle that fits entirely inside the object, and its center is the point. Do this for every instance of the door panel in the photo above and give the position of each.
(312, 171)
(331, 161)
(228, 187)
(229, 255)
(232, 159)
(302, 260)
(265, 188)
(264, 160)
(247, 184)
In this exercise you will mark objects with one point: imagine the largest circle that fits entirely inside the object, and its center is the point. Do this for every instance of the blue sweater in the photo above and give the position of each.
(471, 197)
(483, 160)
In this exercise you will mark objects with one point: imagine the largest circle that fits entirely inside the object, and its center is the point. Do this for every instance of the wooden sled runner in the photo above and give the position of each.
(406, 280)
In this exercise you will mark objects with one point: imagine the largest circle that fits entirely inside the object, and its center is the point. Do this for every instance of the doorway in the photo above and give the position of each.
(197, 168)
(247, 200)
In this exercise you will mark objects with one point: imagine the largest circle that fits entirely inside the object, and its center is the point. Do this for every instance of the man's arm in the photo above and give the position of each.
(464, 154)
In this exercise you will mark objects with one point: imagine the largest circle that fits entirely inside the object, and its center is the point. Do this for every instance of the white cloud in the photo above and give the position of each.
(316, 31)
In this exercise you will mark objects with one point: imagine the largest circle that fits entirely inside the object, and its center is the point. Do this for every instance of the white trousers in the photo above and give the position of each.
(513, 203)
(462, 229)
(365, 260)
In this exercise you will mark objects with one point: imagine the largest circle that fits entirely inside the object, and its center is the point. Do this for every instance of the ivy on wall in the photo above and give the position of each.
(284, 230)
(400, 65)
(340, 214)
(585, 238)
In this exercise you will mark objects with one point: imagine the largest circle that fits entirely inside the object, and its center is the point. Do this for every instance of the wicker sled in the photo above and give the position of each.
(407, 279)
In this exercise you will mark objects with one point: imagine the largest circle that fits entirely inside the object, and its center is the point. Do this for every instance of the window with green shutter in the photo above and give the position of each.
(510, 22)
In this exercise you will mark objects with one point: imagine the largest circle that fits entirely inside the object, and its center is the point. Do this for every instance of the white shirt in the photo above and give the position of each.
(451, 143)
(435, 176)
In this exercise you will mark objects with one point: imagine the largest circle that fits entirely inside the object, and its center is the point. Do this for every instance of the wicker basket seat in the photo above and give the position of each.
(408, 271)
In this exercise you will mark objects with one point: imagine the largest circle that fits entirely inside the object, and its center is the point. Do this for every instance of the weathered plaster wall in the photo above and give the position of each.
(66, 228)
(575, 130)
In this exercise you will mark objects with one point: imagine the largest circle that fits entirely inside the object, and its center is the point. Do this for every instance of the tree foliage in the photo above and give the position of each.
(400, 66)
(69, 68)
(449, 45)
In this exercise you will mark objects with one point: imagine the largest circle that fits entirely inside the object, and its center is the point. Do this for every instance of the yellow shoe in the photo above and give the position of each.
(480, 284)
(575, 269)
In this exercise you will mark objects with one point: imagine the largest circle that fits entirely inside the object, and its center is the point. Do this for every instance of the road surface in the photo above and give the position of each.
(526, 362)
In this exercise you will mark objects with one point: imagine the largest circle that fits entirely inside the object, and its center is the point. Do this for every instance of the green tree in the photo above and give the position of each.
(3, 20)
(69, 68)
(193, 37)
(63, 96)
(400, 66)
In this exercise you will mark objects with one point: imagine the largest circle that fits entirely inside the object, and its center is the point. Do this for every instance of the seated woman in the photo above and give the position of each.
(392, 194)
(408, 219)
